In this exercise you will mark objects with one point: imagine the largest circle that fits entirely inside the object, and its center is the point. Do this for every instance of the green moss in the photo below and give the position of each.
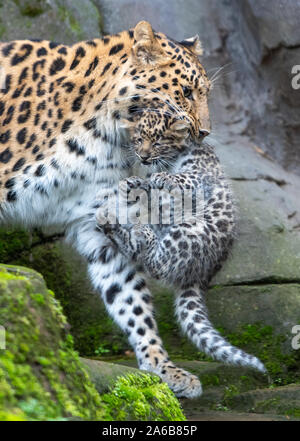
(31, 8)
(295, 412)
(144, 398)
(261, 341)
(66, 16)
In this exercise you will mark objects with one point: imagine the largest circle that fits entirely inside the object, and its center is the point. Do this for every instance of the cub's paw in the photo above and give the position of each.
(164, 181)
(133, 182)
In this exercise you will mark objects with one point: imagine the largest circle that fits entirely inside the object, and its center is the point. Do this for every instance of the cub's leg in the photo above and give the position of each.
(192, 315)
(128, 301)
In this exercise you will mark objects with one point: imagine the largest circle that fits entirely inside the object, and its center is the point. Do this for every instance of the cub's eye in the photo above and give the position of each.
(187, 91)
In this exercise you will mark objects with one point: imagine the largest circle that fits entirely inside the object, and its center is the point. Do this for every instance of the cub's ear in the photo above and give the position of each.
(193, 44)
(146, 49)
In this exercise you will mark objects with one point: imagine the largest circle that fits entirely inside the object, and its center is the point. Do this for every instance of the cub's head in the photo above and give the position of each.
(158, 136)
(165, 86)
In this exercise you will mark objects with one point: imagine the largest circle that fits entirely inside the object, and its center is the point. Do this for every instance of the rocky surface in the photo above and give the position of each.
(64, 21)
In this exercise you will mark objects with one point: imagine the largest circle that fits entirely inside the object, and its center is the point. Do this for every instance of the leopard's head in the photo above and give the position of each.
(167, 90)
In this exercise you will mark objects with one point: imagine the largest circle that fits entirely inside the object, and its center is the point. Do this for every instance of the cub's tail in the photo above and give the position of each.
(193, 317)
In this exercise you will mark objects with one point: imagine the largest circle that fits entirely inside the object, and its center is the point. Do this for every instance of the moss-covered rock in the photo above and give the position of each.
(281, 400)
(42, 376)
(65, 21)
(65, 274)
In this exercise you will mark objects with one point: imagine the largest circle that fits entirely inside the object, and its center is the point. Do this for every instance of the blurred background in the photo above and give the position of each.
(250, 50)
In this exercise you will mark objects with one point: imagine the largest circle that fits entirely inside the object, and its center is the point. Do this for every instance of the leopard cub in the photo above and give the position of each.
(183, 252)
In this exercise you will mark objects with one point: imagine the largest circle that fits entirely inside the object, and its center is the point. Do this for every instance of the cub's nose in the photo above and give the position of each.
(144, 157)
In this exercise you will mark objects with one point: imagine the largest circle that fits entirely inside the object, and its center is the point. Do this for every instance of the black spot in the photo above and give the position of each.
(90, 124)
(5, 156)
(62, 51)
(74, 147)
(24, 107)
(191, 305)
(4, 137)
(130, 276)
(140, 285)
(52, 143)
(149, 322)
(23, 75)
(129, 300)
(115, 49)
(53, 44)
(7, 49)
(80, 53)
(111, 293)
(131, 323)
(123, 91)
(19, 164)
(66, 125)
(92, 66)
(40, 171)
(116, 114)
(68, 86)
(77, 103)
(10, 183)
(41, 52)
(11, 196)
(141, 331)
(2, 108)
(137, 310)
(106, 67)
(24, 52)
(152, 79)
(21, 135)
(146, 298)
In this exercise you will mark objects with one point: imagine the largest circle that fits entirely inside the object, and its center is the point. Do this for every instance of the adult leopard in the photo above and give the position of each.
(64, 117)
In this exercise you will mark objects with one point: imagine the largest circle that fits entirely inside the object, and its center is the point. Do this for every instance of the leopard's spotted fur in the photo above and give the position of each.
(65, 117)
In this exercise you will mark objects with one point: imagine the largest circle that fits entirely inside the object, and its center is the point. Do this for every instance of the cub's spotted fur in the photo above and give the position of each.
(65, 117)
(186, 254)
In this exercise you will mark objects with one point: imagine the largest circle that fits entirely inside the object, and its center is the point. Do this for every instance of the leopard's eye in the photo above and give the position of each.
(187, 91)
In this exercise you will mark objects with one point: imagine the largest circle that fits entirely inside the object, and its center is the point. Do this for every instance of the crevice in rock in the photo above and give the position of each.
(279, 182)
(261, 282)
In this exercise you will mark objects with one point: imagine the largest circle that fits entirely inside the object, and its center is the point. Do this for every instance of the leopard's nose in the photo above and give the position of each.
(203, 133)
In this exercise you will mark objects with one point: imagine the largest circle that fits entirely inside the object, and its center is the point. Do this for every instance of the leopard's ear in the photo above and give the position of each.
(146, 48)
(193, 44)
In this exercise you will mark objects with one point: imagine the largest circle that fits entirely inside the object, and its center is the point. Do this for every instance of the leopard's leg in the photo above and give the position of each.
(128, 301)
